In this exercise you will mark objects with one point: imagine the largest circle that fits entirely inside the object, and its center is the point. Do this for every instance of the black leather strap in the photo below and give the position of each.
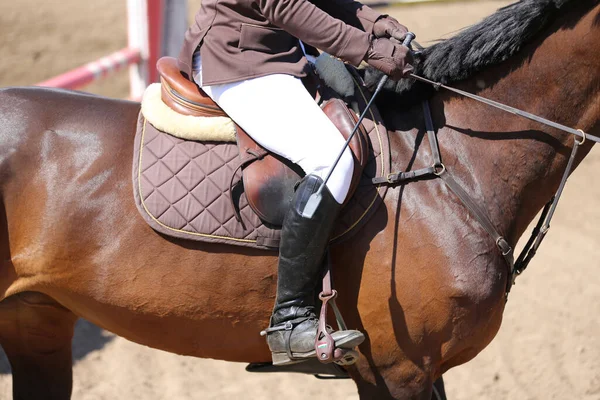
(438, 169)
(433, 143)
(481, 216)
(399, 177)
(474, 208)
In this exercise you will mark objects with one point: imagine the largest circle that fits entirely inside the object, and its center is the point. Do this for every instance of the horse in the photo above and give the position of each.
(421, 279)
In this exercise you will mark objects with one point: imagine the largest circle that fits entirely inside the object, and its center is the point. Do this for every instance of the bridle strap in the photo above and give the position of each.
(481, 216)
(543, 225)
(438, 169)
(509, 109)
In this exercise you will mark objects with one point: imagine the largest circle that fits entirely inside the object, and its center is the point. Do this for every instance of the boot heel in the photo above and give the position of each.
(283, 359)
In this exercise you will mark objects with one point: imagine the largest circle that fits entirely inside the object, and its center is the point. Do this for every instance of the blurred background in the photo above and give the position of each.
(547, 348)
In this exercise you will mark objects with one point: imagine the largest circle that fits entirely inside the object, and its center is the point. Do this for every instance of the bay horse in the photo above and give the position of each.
(422, 279)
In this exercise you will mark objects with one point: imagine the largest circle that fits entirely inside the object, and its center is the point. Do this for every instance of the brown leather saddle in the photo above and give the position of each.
(268, 179)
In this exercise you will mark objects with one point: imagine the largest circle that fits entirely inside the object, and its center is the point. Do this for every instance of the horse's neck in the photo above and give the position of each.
(512, 165)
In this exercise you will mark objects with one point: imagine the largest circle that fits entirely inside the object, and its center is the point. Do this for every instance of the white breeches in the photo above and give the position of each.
(279, 114)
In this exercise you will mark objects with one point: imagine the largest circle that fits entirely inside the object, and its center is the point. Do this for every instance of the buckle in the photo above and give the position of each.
(584, 137)
(503, 245)
(439, 169)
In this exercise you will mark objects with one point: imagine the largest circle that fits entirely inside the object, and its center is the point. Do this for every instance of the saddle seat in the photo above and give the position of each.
(267, 178)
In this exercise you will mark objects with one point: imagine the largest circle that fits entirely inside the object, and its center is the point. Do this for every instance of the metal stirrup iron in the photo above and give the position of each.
(324, 343)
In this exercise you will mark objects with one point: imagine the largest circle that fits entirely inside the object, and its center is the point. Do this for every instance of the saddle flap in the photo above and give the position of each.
(345, 119)
(268, 182)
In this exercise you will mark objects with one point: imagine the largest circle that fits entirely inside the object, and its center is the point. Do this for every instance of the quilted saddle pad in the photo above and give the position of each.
(181, 188)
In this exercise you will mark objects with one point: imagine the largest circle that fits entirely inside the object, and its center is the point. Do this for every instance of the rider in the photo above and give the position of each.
(247, 55)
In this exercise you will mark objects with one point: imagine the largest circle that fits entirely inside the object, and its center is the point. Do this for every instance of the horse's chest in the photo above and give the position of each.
(437, 239)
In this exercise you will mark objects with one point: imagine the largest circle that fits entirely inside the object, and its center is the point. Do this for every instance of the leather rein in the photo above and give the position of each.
(438, 169)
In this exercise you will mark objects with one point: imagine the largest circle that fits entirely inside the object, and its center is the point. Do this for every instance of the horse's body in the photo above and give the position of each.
(422, 279)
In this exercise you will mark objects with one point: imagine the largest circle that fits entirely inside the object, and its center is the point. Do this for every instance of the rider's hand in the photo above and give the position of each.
(388, 27)
(390, 58)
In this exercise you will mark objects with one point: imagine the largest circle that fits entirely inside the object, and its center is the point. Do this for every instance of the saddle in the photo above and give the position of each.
(268, 179)
(236, 194)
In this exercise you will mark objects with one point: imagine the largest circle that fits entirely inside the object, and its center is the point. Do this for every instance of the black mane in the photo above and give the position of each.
(490, 42)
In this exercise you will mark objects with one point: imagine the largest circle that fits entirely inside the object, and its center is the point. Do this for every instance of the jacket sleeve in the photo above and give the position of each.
(316, 27)
(351, 12)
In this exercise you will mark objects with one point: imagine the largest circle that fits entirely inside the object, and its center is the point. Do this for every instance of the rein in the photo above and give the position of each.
(439, 170)
(509, 109)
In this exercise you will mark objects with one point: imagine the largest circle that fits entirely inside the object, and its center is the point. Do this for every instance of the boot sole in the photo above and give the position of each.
(348, 342)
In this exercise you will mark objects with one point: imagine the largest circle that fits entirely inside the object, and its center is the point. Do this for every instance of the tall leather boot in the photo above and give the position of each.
(292, 332)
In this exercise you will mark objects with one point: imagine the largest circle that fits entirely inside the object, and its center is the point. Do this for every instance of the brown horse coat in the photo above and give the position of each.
(422, 279)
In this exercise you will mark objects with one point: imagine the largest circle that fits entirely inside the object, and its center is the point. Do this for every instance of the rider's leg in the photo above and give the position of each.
(279, 114)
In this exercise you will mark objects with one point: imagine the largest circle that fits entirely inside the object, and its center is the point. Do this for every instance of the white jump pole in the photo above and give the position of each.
(175, 25)
(155, 28)
(138, 38)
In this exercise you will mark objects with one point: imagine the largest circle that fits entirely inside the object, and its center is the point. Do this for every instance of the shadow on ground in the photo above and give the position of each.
(87, 339)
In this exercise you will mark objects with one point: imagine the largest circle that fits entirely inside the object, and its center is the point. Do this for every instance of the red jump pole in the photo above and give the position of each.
(146, 34)
(155, 36)
(92, 71)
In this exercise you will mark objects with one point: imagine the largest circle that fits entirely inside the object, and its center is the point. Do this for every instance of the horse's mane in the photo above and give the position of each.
(490, 42)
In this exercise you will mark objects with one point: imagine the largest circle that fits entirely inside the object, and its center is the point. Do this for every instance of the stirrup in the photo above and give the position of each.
(343, 342)
(325, 347)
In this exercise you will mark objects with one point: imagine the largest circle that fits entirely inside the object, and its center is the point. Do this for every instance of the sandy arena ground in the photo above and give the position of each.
(547, 348)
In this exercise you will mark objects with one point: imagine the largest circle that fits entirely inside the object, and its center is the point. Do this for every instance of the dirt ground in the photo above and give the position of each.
(547, 348)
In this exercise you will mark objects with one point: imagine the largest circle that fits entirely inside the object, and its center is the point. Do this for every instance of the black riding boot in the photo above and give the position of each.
(291, 336)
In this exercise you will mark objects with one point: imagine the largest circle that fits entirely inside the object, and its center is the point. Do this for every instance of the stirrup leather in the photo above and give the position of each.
(325, 347)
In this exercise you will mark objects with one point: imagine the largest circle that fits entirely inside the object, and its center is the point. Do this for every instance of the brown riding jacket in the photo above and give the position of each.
(242, 39)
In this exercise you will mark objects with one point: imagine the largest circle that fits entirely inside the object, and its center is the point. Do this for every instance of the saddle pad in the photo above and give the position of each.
(181, 188)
